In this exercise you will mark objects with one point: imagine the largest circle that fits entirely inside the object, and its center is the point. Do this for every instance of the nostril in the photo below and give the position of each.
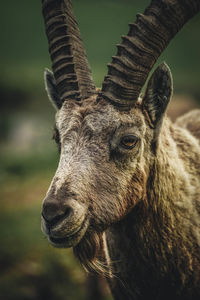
(55, 219)
(68, 211)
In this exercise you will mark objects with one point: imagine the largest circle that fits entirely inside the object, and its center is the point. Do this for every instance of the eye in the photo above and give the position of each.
(128, 141)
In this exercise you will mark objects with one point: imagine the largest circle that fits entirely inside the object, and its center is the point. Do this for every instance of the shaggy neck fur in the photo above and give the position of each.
(156, 239)
(156, 243)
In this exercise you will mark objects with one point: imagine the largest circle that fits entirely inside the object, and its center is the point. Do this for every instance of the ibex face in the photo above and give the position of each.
(104, 160)
(107, 139)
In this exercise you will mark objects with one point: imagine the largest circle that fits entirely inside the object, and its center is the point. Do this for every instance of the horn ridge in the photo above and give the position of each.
(67, 52)
(140, 48)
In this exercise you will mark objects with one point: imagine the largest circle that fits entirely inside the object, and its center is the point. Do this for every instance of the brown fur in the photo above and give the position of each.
(163, 238)
(126, 193)
(131, 215)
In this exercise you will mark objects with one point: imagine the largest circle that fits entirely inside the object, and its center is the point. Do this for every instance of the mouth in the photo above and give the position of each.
(69, 240)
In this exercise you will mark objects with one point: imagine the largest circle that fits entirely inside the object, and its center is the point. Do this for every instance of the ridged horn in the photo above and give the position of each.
(69, 63)
(140, 49)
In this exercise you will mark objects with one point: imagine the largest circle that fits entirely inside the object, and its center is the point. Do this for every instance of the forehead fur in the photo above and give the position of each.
(98, 117)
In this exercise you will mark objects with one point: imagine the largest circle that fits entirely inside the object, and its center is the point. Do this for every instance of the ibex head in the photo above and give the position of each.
(107, 139)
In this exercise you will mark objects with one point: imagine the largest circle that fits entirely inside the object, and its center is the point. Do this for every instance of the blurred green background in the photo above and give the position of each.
(29, 267)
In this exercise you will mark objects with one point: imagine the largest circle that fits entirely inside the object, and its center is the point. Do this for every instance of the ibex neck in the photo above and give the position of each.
(154, 241)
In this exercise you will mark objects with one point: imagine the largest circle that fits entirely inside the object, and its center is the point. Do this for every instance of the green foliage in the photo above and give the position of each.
(26, 165)
(30, 266)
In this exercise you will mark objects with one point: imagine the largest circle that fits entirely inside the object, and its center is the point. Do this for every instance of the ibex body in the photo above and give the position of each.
(126, 194)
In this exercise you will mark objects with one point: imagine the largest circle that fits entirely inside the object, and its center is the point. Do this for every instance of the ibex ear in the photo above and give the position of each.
(158, 94)
(52, 92)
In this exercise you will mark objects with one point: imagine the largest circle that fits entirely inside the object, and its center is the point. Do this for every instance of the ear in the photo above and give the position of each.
(52, 92)
(158, 94)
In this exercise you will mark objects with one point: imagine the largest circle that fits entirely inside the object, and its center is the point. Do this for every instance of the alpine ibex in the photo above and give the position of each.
(126, 192)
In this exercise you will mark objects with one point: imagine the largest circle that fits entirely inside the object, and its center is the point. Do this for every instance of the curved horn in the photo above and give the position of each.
(139, 50)
(69, 63)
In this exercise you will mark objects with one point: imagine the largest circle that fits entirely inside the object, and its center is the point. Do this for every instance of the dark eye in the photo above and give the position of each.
(128, 141)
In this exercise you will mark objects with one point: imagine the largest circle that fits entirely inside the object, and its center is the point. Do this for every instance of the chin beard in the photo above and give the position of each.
(90, 253)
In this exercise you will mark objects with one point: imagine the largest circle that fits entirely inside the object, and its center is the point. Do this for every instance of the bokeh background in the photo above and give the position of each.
(29, 267)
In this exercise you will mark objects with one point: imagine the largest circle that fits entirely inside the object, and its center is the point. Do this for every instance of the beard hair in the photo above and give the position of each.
(90, 253)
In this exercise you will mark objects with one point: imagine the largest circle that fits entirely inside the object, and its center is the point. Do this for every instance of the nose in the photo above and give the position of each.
(55, 210)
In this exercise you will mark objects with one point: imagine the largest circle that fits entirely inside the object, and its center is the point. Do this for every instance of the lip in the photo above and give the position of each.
(70, 240)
